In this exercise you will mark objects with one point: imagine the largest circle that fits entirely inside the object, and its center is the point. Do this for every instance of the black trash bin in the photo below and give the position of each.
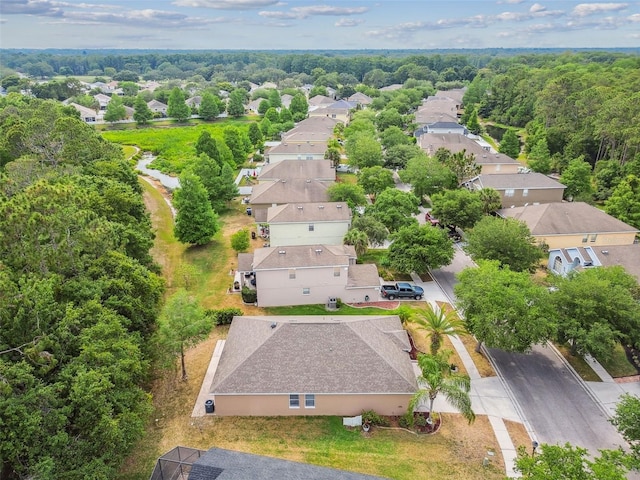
(209, 407)
(253, 235)
(249, 211)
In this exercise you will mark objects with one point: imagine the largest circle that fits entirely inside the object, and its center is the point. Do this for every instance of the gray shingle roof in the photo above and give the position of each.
(301, 169)
(363, 275)
(294, 190)
(220, 464)
(315, 354)
(566, 218)
(301, 256)
(532, 181)
(314, 124)
(295, 149)
(309, 212)
(627, 256)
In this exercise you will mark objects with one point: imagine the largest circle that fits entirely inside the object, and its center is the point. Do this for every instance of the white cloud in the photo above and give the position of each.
(537, 8)
(141, 18)
(634, 18)
(30, 7)
(513, 2)
(586, 9)
(227, 4)
(304, 12)
(349, 22)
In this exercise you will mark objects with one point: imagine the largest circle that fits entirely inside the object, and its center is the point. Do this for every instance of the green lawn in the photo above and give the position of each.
(618, 365)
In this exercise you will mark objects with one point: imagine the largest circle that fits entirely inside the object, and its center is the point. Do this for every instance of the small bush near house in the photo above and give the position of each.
(373, 418)
(223, 316)
(249, 295)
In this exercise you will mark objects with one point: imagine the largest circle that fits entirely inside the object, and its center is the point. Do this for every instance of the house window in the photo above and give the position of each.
(585, 239)
(336, 271)
(498, 167)
(306, 291)
(509, 192)
(292, 274)
(594, 236)
(309, 157)
(309, 400)
(311, 227)
(333, 115)
(525, 192)
(294, 400)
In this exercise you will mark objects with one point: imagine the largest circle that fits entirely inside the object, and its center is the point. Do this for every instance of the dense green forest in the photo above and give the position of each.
(79, 297)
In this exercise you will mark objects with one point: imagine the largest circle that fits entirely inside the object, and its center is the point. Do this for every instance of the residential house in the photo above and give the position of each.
(313, 365)
(286, 100)
(446, 127)
(518, 189)
(309, 150)
(103, 100)
(308, 223)
(221, 464)
(392, 88)
(194, 102)
(572, 224)
(129, 112)
(86, 114)
(310, 274)
(455, 94)
(340, 110)
(361, 99)
(435, 107)
(320, 170)
(158, 107)
(319, 101)
(312, 128)
(269, 194)
(253, 106)
(490, 161)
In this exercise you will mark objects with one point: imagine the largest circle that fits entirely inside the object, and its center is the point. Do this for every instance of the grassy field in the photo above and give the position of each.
(618, 365)
(455, 452)
(173, 144)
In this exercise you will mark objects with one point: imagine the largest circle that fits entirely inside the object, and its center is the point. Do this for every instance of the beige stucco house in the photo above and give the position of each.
(313, 365)
(519, 189)
(309, 275)
(158, 107)
(308, 223)
(572, 224)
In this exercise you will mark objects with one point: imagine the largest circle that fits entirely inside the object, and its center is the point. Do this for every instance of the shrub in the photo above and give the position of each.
(249, 295)
(339, 302)
(406, 421)
(223, 316)
(373, 418)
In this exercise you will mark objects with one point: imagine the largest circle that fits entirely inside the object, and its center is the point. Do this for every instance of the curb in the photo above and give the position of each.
(584, 384)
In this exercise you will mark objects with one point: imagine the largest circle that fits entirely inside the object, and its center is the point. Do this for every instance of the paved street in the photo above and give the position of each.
(554, 403)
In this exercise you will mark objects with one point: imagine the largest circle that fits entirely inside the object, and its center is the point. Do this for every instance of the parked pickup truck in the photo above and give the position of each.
(401, 290)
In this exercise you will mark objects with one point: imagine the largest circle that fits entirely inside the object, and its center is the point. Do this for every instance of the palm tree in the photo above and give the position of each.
(437, 324)
(436, 378)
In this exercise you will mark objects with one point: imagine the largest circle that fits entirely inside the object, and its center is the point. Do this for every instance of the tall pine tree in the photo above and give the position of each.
(196, 222)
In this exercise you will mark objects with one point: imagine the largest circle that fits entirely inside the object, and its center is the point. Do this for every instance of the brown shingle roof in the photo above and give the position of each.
(566, 218)
(309, 212)
(318, 354)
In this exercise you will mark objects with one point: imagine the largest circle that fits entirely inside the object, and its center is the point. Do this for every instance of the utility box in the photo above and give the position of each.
(209, 407)
(332, 303)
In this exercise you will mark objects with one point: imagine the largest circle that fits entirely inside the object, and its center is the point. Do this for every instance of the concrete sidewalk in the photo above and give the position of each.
(489, 395)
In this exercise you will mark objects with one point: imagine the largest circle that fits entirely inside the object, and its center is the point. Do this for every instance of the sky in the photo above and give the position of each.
(317, 25)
